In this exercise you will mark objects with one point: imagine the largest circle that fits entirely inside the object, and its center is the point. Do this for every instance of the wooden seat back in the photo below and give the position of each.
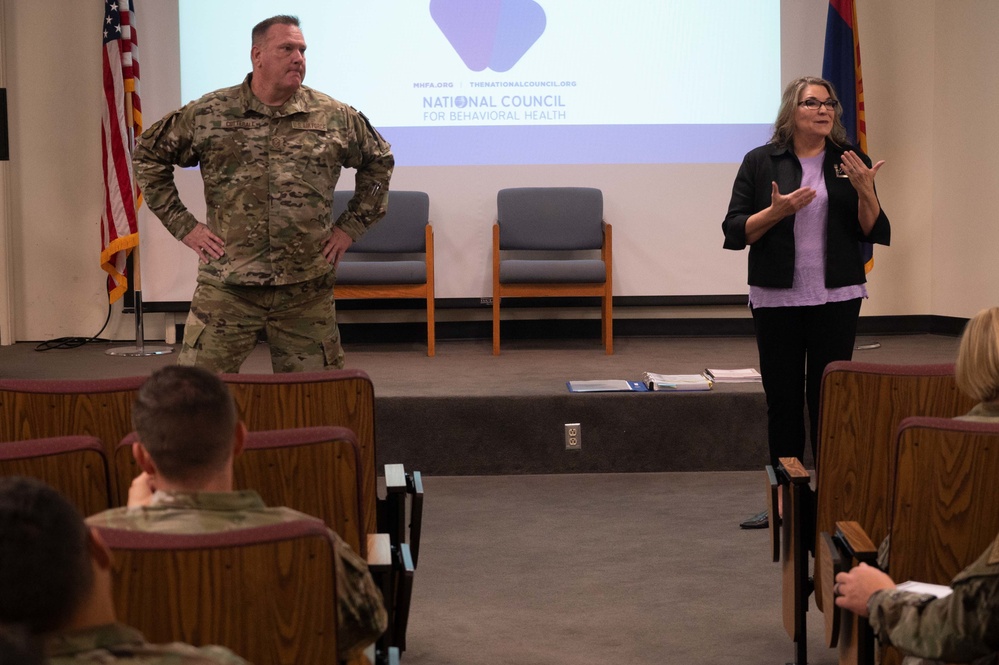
(862, 405)
(35, 409)
(945, 512)
(314, 470)
(268, 593)
(337, 398)
(76, 466)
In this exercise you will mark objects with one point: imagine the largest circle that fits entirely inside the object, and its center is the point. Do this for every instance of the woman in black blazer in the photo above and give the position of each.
(803, 204)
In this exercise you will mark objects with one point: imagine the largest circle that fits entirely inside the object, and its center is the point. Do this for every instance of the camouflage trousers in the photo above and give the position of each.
(299, 321)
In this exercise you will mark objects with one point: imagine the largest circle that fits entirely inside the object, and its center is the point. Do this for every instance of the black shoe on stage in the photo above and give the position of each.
(757, 521)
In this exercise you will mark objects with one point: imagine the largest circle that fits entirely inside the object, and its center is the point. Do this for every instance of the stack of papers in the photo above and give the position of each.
(938, 590)
(667, 382)
(676, 381)
(733, 375)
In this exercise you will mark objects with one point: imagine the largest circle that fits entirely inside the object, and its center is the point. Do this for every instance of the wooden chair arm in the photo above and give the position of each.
(795, 470)
(858, 544)
(395, 478)
(379, 552)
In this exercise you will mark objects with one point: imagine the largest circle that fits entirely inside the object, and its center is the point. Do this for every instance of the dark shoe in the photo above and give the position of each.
(757, 521)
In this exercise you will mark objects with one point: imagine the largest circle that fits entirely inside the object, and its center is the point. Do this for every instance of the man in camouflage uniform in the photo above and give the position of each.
(55, 580)
(270, 152)
(961, 627)
(188, 436)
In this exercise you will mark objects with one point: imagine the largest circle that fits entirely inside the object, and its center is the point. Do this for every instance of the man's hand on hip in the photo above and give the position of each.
(338, 243)
(204, 243)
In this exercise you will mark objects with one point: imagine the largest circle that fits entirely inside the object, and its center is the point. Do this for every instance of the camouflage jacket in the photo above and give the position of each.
(361, 615)
(961, 627)
(116, 643)
(985, 412)
(269, 175)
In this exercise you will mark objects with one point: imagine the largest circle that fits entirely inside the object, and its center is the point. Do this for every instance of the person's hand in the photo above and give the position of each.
(788, 204)
(860, 176)
(338, 243)
(141, 491)
(204, 243)
(855, 588)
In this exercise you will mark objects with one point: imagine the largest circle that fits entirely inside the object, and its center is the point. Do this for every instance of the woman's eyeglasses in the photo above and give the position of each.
(813, 104)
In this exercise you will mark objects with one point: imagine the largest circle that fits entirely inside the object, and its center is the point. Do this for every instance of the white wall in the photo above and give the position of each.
(931, 89)
(964, 234)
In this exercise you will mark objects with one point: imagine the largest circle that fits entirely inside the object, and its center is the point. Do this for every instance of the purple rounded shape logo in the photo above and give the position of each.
(492, 34)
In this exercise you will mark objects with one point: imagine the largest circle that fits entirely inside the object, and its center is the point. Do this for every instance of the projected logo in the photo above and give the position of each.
(489, 33)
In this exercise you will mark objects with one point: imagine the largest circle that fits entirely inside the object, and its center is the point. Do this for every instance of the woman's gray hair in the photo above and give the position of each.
(784, 125)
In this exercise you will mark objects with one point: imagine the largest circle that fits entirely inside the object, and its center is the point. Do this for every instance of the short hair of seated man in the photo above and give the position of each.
(977, 367)
(185, 419)
(46, 574)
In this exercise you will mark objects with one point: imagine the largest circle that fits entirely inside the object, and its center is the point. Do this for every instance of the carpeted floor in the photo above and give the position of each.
(595, 569)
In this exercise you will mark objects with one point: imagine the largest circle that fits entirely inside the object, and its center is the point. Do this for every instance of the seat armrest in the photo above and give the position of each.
(392, 510)
(395, 478)
(794, 470)
(857, 543)
(379, 552)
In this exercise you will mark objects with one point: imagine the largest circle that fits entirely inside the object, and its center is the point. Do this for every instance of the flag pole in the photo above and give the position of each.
(140, 349)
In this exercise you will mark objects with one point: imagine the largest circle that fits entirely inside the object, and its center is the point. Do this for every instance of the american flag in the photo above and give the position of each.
(121, 122)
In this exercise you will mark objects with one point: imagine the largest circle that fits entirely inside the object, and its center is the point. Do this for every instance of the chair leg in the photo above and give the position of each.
(607, 325)
(431, 334)
(496, 325)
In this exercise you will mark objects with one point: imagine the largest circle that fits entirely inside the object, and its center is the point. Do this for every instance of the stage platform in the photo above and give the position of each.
(467, 412)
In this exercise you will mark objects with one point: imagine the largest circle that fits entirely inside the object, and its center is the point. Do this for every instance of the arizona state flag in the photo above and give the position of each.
(841, 67)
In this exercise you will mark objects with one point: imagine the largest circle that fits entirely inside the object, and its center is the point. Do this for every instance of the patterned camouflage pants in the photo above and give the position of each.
(298, 319)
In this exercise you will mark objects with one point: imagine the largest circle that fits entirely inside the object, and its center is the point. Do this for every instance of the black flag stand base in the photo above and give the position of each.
(140, 349)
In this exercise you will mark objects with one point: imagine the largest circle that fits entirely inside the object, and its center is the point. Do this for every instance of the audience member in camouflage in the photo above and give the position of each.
(55, 574)
(188, 436)
(270, 151)
(962, 627)
(360, 612)
(115, 643)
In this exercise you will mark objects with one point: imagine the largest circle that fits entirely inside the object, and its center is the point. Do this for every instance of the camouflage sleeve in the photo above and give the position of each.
(960, 627)
(371, 155)
(166, 143)
(361, 614)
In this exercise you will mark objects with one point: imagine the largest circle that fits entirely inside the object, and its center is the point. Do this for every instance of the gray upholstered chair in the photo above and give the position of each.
(395, 258)
(543, 240)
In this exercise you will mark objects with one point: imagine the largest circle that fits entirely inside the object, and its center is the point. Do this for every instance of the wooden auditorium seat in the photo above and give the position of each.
(268, 593)
(313, 470)
(76, 466)
(861, 407)
(38, 408)
(316, 471)
(942, 513)
(341, 398)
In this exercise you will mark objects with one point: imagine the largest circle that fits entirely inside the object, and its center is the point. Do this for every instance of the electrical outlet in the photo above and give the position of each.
(573, 436)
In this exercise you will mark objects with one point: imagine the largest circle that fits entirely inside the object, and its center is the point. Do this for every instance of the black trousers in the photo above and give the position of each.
(795, 345)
